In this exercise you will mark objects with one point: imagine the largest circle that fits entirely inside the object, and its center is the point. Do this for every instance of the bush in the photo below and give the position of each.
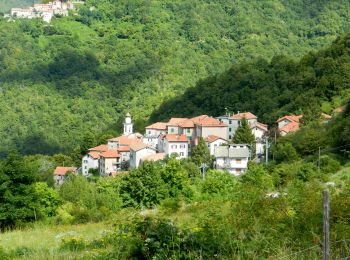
(73, 244)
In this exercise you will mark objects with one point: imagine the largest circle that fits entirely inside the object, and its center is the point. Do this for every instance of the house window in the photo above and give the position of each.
(230, 122)
(188, 130)
(182, 146)
(238, 170)
(230, 129)
(239, 122)
(85, 161)
(174, 146)
(172, 130)
(230, 137)
(149, 132)
(182, 154)
(208, 145)
(238, 161)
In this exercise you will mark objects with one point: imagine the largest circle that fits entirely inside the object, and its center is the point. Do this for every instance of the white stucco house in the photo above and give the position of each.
(213, 141)
(60, 174)
(90, 161)
(175, 145)
(139, 151)
(233, 158)
(152, 133)
(288, 124)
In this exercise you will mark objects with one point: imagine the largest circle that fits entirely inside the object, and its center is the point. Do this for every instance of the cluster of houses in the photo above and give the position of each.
(176, 138)
(44, 11)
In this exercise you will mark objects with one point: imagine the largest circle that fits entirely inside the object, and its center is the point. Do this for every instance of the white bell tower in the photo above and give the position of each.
(128, 125)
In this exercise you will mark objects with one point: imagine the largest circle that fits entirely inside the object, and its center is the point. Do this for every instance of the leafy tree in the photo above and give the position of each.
(48, 200)
(201, 154)
(284, 152)
(143, 187)
(17, 193)
(244, 135)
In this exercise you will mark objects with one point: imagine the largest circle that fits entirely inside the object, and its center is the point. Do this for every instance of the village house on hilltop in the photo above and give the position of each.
(44, 11)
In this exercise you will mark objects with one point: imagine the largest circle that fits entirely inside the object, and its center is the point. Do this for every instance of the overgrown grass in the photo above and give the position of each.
(44, 241)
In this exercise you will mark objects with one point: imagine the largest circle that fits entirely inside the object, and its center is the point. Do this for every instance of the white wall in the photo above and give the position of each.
(88, 163)
(235, 166)
(215, 144)
(135, 156)
(179, 148)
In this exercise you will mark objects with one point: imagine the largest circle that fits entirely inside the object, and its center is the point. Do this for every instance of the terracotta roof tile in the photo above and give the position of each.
(158, 126)
(95, 155)
(213, 138)
(139, 146)
(110, 154)
(262, 126)
(176, 138)
(175, 121)
(207, 121)
(100, 148)
(246, 115)
(61, 171)
(326, 117)
(340, 109)
(125, 140)
(290, 118)
(187, 124)
(290, 128)
(124, 149)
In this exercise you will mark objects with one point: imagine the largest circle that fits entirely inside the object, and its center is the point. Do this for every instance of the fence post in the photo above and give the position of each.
(326, 253)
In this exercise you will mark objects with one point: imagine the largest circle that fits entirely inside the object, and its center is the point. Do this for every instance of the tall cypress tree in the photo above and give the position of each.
(244, 135)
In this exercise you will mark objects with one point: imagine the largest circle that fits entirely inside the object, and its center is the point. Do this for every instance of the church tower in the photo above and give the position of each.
(128, 125)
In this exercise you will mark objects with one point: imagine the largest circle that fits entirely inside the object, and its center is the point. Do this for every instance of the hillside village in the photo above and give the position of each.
(44, 11)
(177, 137)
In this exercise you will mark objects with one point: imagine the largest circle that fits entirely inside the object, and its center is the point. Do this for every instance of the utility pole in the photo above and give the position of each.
(267, 149)
(326, 209)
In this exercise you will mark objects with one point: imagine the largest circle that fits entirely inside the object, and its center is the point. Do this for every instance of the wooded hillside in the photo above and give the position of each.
(78, 76)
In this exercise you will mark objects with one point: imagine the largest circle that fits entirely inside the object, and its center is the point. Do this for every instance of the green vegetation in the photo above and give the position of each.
(79, 75)
(317, 82)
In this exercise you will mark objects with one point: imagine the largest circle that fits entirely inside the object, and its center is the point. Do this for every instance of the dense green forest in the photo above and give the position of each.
(317, 82)
(78, 76)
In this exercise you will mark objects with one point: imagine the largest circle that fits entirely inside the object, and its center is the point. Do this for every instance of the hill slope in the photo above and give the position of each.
(6, 5)
(319, 81)
(59, 83)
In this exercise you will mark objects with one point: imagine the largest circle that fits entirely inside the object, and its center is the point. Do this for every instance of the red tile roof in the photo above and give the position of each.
(61, 171)
(246, 115)
(124, 149)
(100, 148)
(158, 126)
(138, 146)
(207, 121)
(125, 140)
(176, 138)
(95, 155)
(175, 121)
(187, 124)
(110, 154)
(291, 118)
(262, 126)
(212, 138)
(289, 128)
(326, 117)
(340, 109)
